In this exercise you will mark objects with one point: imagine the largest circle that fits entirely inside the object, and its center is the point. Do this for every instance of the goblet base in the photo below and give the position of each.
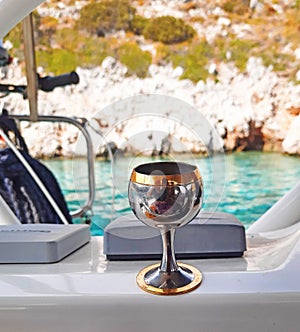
(155, 281)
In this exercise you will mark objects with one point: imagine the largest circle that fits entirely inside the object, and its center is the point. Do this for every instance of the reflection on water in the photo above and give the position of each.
(254, 181)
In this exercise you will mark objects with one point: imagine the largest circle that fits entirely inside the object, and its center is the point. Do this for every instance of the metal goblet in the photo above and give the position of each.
(166, 195)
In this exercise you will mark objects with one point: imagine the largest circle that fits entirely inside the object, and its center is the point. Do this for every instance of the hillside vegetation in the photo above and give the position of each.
(198, 35)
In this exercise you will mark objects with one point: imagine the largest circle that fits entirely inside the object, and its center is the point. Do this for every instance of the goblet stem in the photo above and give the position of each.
(168, 262)
(168, 277)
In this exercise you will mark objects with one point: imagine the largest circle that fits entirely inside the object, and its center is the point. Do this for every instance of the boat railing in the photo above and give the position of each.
(48, 84)
(80, 123)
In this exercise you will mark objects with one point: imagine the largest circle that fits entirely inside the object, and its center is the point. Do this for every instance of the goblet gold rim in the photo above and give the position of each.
(195, 283)
(166, 180)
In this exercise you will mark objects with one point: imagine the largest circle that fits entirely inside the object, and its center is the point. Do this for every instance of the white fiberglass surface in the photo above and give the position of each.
(12, 12)
(87, 273)
(263, 254)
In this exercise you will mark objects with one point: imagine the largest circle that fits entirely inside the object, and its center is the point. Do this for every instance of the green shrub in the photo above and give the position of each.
(93, 52)
(57, 61)
(74, 50)
(136, 60)
(278, 60)
(194, 61)
(49, 24)
(138, 24)
(239, 7)
(241, 50)
(168, 30)
(106, 16)
(163, 53)
(68, 39)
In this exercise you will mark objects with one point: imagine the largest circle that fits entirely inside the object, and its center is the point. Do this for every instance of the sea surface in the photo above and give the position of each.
(245, 184)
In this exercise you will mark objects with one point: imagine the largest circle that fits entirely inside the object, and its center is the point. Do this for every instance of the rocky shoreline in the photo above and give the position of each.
(256, 110)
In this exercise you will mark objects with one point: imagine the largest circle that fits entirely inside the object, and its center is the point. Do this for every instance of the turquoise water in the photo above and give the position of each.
(247, 184)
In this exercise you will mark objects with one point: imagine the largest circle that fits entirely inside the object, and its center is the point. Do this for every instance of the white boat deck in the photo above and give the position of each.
(85, 292)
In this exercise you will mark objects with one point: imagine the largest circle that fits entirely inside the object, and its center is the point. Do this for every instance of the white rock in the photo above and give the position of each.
(259, 96)
(253, 4)
(212, 68)
(297, 53)
(109, 63)
(224, 21)
(226, 72)
(218, 11)
(8, 45)
(241, 30)
(178, 71)
(200, 86)
(255, 68)
(278, 8)
(291, 143)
